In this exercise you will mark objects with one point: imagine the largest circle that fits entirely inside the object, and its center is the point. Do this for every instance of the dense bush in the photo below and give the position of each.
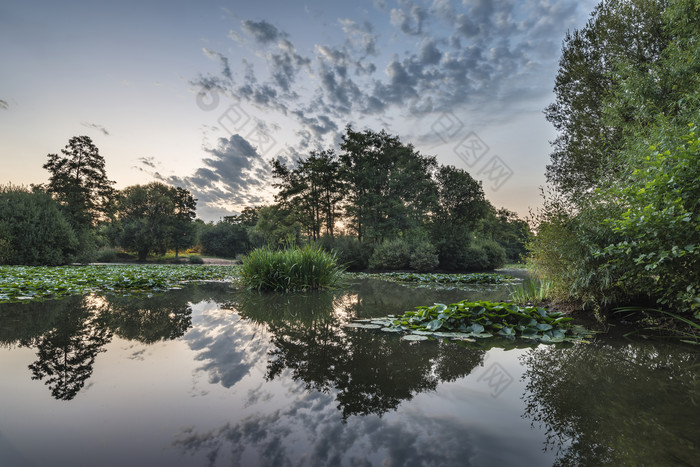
(391, 254)
(348, 250)
(33, 231)
(463, 254)
(196, 259)
(307, 268)
(424, 257)
(224, 239)
(106, 255)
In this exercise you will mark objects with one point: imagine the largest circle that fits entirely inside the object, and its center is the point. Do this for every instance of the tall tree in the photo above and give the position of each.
(155, 217)
(390, 186)
(79, 182)
(619, 31)
(313, 190)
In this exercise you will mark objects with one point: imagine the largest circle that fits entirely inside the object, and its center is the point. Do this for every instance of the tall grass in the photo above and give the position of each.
(291, 269)
(531, 291)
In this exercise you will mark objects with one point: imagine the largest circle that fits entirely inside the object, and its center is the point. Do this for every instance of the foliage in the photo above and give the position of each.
(154, 217)
(20, 283)
(107, 255)
(195, 259)
(424, 257)
(312, 189)
(658, 228)
(531, 292)
(224, 239)
(307, 268)
(276, 227)
(464, 320)
(460, 205)
(389, 184)
(348, 250)
(685, 329)
(506, 228)
(33, 230)
(619, 31)
(79, 182)
(391, 254)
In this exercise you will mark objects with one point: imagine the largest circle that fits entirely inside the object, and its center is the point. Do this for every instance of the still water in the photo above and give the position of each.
(208, 375)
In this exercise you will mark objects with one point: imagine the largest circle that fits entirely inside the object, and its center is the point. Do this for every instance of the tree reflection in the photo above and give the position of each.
(615, 404)
(66, 354)
(369, 371)
(69, 333)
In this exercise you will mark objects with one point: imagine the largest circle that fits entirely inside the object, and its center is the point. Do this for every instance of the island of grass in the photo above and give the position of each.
(290, 269)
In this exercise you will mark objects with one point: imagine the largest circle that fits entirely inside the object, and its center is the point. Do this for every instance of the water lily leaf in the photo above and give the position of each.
(544, 326)
(391, 329)
(434, 325)
(363, 326)
(414, 337)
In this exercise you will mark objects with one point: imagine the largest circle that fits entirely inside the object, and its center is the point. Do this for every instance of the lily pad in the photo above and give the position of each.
(414, 337)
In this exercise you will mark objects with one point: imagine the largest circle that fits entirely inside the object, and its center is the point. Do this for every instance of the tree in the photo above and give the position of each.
(619, 31)
(155, 217)
(276, 226)
(389, 184)
(33, 230)
(313, 190)
(79, 182)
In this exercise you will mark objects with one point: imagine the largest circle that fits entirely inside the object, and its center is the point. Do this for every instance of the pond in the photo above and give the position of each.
(211, 375)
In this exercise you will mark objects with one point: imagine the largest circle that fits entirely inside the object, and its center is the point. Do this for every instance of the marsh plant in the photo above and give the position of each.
(307, 268)
(531, 291)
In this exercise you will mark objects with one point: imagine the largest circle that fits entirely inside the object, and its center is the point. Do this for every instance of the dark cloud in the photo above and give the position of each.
(223, 60)
(233, 174)
(96, 127)
(4, 105)
(262, 31)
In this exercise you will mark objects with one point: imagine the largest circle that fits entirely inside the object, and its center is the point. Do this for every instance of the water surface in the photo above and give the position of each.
(209, 375)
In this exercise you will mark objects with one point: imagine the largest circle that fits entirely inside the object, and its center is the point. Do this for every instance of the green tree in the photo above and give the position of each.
(155, 217)
(33, 230)
(312, 189)
(390, 186)
(276, 227)
(619, 31)
(79, 182)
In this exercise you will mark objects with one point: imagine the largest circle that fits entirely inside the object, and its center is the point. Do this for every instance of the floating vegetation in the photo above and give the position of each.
(25, 283)
(469, 320)
(433, 279)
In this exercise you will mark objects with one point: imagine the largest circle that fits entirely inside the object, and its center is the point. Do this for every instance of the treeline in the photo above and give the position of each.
(79, 212)
(380, 204)
(377, 203)
(622, 224)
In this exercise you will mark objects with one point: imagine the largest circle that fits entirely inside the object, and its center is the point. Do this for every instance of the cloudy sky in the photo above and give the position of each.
(204, 95)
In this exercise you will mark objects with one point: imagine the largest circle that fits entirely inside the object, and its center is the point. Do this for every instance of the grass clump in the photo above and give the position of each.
(291, 269)
(532, 291)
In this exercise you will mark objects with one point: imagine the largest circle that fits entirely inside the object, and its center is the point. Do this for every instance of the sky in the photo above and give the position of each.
(204, 94)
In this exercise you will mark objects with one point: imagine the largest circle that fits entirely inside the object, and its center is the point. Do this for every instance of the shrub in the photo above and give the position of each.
(424, 257)
(348, 250)
(108, 255)
(307, 268)
(196, 259)
(33, 230)
(391, 254)
(495, 253)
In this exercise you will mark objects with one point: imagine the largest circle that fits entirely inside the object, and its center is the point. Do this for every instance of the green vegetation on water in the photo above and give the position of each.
(465, 320)
(433, 279)
(307, 268)
(25, 283)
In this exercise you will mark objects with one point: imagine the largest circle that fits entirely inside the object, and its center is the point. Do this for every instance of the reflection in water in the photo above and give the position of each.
(369, 372)
(69, 333)
(66, 354)
(615, 403)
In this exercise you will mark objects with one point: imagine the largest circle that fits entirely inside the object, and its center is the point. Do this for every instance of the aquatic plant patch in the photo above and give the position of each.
(469, 320)
(19, 283)
(432, 279)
